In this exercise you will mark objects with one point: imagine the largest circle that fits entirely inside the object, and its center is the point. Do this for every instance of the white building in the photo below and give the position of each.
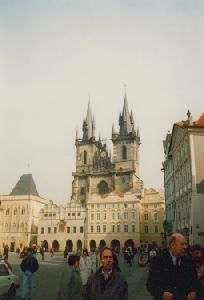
(185, 180)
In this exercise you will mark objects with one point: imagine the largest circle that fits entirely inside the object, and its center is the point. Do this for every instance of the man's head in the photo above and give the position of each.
(197, 253)
(106, 256)
(29, 251)
(177, 244)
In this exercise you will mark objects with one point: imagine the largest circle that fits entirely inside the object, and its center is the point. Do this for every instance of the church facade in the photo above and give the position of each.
(106, 193)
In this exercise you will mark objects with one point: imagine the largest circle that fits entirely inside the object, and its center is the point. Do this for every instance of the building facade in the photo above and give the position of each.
(20, 214)
(152, 215)
(184, 179)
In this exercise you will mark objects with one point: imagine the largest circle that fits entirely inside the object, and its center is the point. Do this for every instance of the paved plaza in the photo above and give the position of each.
(46, 280)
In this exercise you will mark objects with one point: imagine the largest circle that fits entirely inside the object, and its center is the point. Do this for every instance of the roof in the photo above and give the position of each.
(197, 123)
(25, 186)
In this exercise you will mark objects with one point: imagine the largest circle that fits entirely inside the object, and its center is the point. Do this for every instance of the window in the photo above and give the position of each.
(156, 229)
(15, 211)
(98, 216)
(23, 211)
(54, 215)
(155, 216)
(125, 228)
(102, 187)
(45, 215)
(133, 215)
(91, 228)
(125, 215)
(73, 214)
(113, 228)
(82, 191)
(3, 271)
(146, 217)
(42, 230)
(118, 216)
(98, 228)
(155, 205)
(113, 216)
(49, 230)
(74, 229)
(125, 205)
(78, 214)
(68, 229)
(92, 216)
(85, 157)
(81, 229)
(68, 214)
(104, 216)
(92, 205)
(133, 228)
(98, 205)
(55, 229)
(124, 152)
(118, 228)
(104, 228)
(146, 228)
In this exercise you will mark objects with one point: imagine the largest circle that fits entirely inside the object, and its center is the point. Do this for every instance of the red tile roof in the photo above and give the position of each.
(197, 123)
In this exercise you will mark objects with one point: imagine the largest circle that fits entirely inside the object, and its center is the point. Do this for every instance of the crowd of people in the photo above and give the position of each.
(174, 273)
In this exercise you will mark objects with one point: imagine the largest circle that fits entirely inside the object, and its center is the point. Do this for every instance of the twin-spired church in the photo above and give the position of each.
(105, 203)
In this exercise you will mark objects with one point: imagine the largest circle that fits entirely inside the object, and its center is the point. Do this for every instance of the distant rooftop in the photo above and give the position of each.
(25, 186)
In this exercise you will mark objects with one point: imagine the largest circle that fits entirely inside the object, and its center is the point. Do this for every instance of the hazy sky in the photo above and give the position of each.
(53, 54)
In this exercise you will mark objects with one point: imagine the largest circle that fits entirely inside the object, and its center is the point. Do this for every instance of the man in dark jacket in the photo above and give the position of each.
(172, 274)
(29, 265)
(107, 283)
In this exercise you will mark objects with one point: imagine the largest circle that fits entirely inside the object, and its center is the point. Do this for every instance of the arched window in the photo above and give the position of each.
(103, 187)
(7, 211)
(124, 152)
(23, 211)
(85, 157)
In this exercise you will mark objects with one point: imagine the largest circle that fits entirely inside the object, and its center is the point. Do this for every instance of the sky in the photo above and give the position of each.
(55, 55)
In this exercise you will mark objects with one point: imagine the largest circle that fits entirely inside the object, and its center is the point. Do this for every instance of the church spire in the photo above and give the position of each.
(88, 125)
(126, 121)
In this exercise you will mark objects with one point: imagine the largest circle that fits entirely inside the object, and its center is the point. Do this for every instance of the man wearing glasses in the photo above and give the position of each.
(107, 283)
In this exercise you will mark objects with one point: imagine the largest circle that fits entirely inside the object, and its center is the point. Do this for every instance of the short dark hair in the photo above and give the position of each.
(85, 251)
(71, 260)
(196, 248)
(29, 249)
(103, 249)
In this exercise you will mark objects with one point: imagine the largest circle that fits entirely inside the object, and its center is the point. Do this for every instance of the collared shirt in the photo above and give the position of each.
(106, 275)
(175, 259)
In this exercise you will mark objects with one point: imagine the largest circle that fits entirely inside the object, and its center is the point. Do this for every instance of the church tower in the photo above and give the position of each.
(126, 151)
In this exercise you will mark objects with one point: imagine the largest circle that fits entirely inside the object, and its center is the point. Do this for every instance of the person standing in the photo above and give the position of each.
(172, 274)
(85, 268)
(70, 287)
(106, 283)
(198, 253)
(29, 265)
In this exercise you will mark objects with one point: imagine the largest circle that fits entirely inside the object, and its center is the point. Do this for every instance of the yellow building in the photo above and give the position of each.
(152, 215)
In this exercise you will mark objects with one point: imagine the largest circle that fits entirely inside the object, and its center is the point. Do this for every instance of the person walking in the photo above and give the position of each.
(85, 268)
(106, 283)
(29, 265)
(70, 287)
(198, 253)
(172, 274)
